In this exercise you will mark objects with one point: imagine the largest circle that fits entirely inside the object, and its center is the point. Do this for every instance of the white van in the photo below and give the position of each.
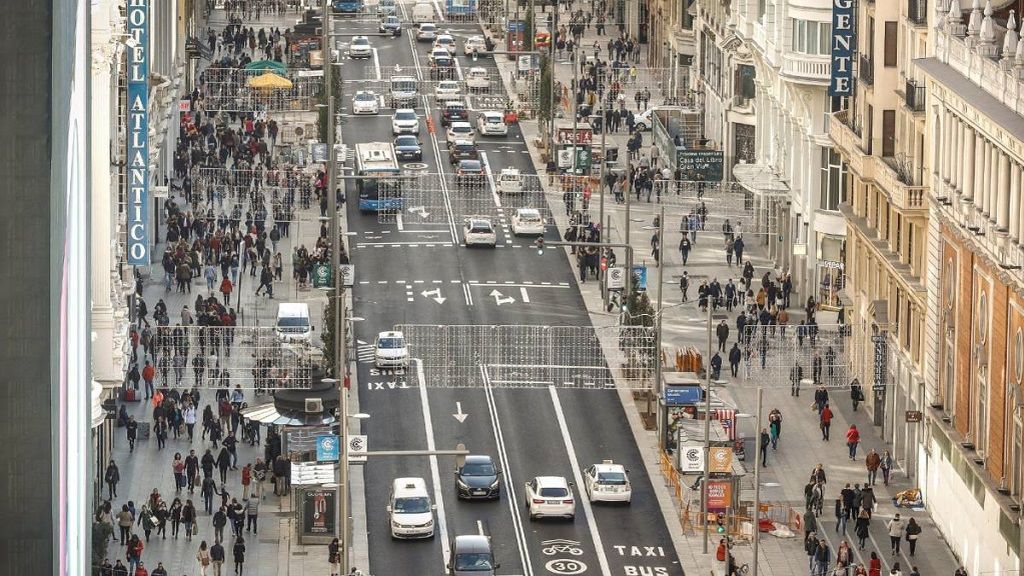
(422, 12)
(410, 511)
(293, 322)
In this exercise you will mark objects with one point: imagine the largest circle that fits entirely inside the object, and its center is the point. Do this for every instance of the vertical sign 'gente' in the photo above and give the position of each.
(841, 80)
(138, 133)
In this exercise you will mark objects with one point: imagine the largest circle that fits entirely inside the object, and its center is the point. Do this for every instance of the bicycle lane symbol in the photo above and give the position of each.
(563, 566)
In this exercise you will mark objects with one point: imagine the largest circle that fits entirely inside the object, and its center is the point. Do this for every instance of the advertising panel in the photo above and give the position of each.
(318, 512)
(719, 495)
(138, 133)
(841, 75)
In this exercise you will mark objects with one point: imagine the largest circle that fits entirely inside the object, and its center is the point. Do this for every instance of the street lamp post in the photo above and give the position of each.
(656, 389)
(707, 426)
(757, 477)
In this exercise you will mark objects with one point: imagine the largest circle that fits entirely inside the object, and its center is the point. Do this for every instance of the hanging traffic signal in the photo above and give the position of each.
(540, 246)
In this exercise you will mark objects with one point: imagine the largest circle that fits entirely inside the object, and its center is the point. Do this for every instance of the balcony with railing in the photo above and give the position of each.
(846, 135)
(805, 68)
(896, 177)
(866, 70)
(917, 12)
(914, 96)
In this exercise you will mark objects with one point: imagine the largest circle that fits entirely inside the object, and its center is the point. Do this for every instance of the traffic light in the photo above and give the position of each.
(540, 246)
(721, 523)
(474, 56)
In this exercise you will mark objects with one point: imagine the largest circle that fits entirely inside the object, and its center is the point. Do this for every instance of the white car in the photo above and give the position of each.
(460, 131)
(479, 231)
(360, 47)
(427, 32)
(446, 41)
(365, 102)
(390, 351)
(477, 78)
(448, 90)
(491, 123)
(437, 53)
(527, 222)
(607, 482)
(405, 121)
(409, 509)
(548, 496)
(474, 45)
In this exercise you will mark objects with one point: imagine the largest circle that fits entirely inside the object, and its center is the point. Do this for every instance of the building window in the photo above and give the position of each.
(810, 37)
(1016, 470)
(891, 45)
(982, 319)
(831, 270)
(981, 412)
(833, 180)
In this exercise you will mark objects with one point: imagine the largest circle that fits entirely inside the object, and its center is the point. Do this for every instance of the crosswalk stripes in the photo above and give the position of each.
(364, 352)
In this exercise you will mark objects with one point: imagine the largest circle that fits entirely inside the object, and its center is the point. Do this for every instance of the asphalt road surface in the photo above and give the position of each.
(413, 271)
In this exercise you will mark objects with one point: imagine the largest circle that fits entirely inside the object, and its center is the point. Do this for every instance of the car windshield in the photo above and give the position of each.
(405, 115)
(448, 85)
(391, 343)
(472, 562)
(464, 148)
(478, 469)
(404, 85)
(493, 119)
(613, 478)
(292, 322)
(365, 97)
(360, 42)
(529, 218)
(481, 229)
(407, 141)
(455, 108)
(471, 166)
(445, 40)
(419, 505)
(427, 28)
(553, 492)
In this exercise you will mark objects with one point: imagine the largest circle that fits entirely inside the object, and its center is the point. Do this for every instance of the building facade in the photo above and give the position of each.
(974, 358)
(880, 141)
(789, 45)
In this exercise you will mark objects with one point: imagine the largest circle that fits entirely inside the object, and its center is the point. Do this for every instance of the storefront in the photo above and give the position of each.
(830, 271)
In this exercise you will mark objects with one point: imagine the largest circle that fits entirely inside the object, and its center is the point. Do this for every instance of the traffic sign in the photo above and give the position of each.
(640, 277)
(357, 449)
(616, 278)
(328, 448)
(322, 277)
(348, 274)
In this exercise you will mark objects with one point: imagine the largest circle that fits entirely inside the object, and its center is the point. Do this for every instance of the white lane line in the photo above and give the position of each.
(524, 294)
(467, 294)
(399, 222)
(435, 474)
(602, 560)
(376, 64)
(511, 487)
(458, 69)
(490, 179)
(437, 9)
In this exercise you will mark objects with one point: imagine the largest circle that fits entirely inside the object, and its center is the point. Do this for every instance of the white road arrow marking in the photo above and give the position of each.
(459, 414)
(435, 295)
(421, 210)
(499, 300)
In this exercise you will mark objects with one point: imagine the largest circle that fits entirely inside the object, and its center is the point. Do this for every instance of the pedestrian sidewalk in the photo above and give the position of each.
(801, 447)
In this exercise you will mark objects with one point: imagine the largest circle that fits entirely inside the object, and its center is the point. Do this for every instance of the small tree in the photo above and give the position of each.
(327, 335)
(101, 534)
(528, 32)
(545, 91)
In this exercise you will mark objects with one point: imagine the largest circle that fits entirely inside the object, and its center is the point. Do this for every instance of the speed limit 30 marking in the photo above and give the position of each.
(565, 566)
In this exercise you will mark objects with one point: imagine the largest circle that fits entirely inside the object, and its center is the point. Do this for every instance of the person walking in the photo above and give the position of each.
(252, 510)
(203, 558)
(188, 519)
(867, 500)
(872, 463)
(913, 533)
(895, 527)
(840, 512)
(217, 557)
(334, 557)
(113, 475)
(886, 465)
(825, 423)
(239, 554)
(811, 547)
(131, 432)
(684, 285)
(853, 440)
(734, 359)
(765, 441)
(220, 520)
(722, 331)
(861, 527)
(822, 558)
(124, 524)
(775, 427)
(874, 565)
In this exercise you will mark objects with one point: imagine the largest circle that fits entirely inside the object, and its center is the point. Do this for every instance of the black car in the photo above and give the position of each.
(462, 150)
(469, 172)
(478, 479)
(408, 148)
(453, 111)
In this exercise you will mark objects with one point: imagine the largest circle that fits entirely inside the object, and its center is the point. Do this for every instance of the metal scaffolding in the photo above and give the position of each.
(227, 90)
(770, 356)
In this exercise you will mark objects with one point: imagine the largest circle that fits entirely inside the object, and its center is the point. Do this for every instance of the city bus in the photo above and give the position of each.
(375, 162)
(347, 6)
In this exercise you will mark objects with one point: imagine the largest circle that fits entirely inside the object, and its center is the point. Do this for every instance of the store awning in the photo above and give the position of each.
(271, 65)
(269, 413)
(759, 179)
(270, 81)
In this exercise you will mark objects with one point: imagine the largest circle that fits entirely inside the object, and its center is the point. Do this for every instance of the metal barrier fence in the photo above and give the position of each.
(253, 357)
(228, 90)
(522, 356)
(772, 355)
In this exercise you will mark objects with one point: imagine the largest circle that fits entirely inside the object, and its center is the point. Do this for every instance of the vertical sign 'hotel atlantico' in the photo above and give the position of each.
(843, 42)
(138, 133)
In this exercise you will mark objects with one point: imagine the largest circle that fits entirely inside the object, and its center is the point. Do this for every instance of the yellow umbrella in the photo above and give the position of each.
(270, 80)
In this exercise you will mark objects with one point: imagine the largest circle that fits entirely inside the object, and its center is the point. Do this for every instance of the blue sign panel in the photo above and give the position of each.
(138, 133)
(843, 43)
(682, 395)
(640, 277)
(328, 448)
